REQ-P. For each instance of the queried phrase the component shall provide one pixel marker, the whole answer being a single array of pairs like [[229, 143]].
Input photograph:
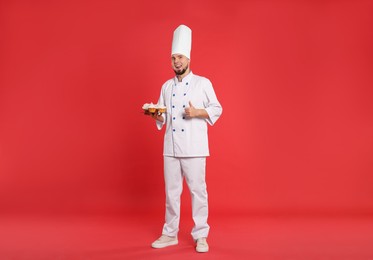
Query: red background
[[294, 78]]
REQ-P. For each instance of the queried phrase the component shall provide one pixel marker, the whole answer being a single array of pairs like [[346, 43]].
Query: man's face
[[180, 63]]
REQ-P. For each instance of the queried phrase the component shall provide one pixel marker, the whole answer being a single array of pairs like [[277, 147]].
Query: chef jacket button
[[173, 94], [173, 106], [182, 130], [173, 129], [187, 83], [174, 118], [183, 117], [183, 105], [184, 94]]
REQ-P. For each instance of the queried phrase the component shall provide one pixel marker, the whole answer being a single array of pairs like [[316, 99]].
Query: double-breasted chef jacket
[[187, 137]]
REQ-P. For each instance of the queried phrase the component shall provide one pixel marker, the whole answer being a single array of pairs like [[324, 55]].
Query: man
[[191, 103]]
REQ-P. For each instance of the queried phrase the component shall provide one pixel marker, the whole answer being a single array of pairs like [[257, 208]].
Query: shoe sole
[[202, 250], [172, 243]]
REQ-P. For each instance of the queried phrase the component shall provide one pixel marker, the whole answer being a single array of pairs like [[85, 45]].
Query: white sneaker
[[164, 241], [202, 246]]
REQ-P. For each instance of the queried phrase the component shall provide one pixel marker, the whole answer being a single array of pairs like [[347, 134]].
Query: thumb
[[190, 104]]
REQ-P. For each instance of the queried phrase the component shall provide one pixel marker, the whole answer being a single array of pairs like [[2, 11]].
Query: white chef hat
[[182, 41]]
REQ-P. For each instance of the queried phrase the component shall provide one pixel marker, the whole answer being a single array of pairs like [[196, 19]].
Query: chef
[[191, 105]]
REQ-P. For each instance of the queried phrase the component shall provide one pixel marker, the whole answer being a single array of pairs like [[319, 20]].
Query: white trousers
[[194, 171]]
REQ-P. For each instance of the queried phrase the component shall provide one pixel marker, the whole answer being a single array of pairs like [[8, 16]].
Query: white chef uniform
[[185, 140], [186, 148]]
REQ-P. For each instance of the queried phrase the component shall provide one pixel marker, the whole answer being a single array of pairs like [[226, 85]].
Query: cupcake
[[161, 109], [152, 108]]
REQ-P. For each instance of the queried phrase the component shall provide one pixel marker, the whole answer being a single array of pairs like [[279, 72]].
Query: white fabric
[[182, 41], [193, 169], [187, 137]]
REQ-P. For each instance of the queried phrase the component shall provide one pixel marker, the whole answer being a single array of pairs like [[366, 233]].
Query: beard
[[181, 72]]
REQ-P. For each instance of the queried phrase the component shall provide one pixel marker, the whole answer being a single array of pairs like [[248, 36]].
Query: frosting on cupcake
[[153, 107], [145, 106], [161, 107]]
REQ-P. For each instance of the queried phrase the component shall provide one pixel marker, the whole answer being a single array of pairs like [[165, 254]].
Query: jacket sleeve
[[161, 101], [212, 105]]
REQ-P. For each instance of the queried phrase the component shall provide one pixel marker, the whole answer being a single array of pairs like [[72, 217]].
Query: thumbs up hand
[[190, 111]]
